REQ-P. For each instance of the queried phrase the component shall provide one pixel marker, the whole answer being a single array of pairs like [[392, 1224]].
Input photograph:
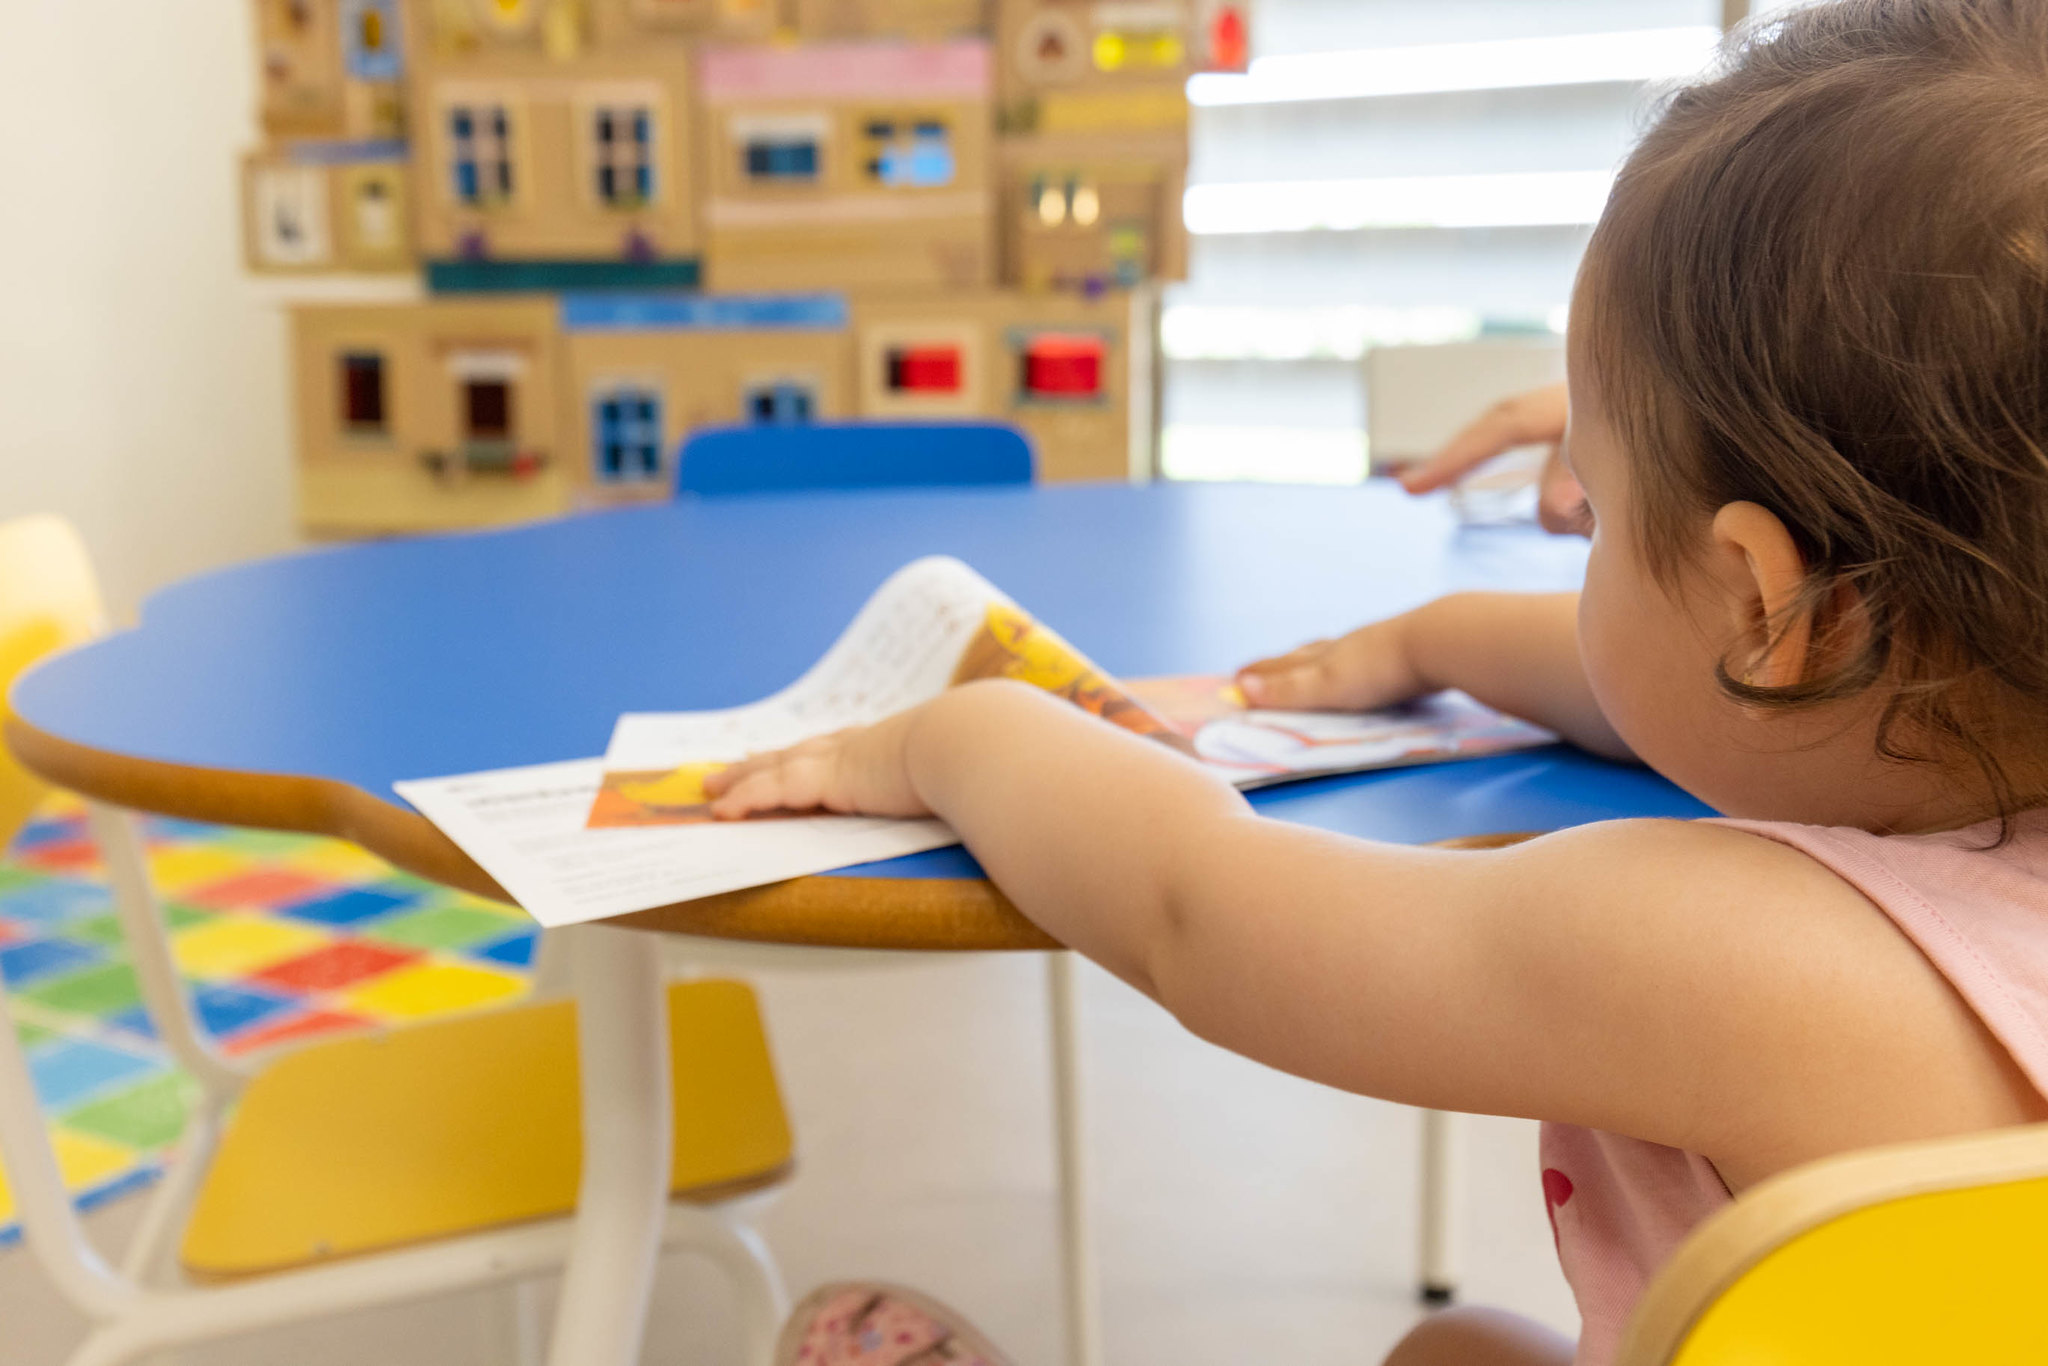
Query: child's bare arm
[[1655, 978], [1518, 652]]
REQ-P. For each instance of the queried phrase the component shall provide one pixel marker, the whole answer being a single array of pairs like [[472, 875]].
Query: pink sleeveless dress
[[1620, 1207]]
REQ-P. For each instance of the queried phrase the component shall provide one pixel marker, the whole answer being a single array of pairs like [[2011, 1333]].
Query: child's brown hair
[[1821, 285]]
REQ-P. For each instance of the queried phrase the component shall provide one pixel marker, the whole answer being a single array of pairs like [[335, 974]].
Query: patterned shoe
[[879, 1325]]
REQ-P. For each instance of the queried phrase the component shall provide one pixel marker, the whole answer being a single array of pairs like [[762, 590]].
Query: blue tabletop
[[403, 659]]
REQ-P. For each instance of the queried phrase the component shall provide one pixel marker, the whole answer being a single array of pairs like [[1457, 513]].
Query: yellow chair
[[427, 1160], [49, 600], [1917, 1255]]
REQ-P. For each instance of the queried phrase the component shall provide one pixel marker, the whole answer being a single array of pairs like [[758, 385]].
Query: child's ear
[[1761, 574]]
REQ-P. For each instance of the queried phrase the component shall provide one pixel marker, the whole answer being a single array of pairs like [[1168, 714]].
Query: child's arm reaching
[[1516, 652], [1654, 978]]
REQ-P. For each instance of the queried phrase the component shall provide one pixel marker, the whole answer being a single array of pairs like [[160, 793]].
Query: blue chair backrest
[[852, 455]]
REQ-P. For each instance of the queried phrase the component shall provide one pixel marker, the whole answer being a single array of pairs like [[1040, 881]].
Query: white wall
[[142, 379]]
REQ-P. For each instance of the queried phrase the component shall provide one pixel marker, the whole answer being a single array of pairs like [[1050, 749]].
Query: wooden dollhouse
[[856, 161], [633, 218]]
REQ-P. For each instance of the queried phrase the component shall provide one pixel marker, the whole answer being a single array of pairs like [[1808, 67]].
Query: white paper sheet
[[900, 650], [525, 827]]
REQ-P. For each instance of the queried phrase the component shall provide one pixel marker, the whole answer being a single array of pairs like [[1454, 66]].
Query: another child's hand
[[1537, 418], [861, 770], [1368, 668]]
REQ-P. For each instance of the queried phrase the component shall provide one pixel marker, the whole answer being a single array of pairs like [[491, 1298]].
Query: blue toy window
[[782, 158], [623, 142], [782, 403], [480, 153], [919, 153], [626, 434]]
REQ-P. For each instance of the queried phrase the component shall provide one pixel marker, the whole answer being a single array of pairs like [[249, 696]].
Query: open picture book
[[936, 623], [589, 839]]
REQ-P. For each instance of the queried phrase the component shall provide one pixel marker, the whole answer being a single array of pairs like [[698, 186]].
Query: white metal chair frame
[[145, 1306]]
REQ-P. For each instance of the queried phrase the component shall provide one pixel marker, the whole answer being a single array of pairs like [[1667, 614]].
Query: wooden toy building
[[633, 218]]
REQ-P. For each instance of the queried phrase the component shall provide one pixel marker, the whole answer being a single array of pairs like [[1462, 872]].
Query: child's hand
[[861, 770], [1368, 668], [1535, 418]]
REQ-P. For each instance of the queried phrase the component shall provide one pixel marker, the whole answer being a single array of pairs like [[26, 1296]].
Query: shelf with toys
[[630, 218]]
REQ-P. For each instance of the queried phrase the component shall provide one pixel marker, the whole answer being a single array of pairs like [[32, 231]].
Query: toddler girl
[[1809, 414]]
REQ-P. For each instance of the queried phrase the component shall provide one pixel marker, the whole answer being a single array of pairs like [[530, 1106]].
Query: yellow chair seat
[[460, 1125], [1916, 1254], [1948, 1276]]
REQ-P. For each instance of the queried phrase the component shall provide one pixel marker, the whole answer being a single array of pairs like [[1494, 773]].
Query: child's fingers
[[725, 779], [733, 774], [1278, 664], [1523, 420], [759, 789], [797, 779], [1298, 678], [1287, 663], [804, 776], [1304, 687]]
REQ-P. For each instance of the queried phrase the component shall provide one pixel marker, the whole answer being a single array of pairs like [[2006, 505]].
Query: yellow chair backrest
[[49, 600], [1922, 1253]]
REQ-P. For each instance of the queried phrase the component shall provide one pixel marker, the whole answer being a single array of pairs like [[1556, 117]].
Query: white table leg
[[1439, 1280], [1077, 1244], [623, 1046]]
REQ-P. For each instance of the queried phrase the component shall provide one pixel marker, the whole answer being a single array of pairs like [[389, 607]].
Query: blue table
[[292, 693], [295, 691]]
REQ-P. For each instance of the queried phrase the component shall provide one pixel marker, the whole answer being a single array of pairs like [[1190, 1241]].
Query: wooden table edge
[[936, 914], [940, 915]]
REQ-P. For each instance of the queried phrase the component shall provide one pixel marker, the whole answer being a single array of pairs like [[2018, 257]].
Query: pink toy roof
[[958, 69]]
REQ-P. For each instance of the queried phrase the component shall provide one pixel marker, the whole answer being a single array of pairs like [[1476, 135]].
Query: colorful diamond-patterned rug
[[282, 937]]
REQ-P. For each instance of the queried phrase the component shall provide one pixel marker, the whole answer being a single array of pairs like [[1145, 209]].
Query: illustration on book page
[[933, 624], [1256, 747]]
